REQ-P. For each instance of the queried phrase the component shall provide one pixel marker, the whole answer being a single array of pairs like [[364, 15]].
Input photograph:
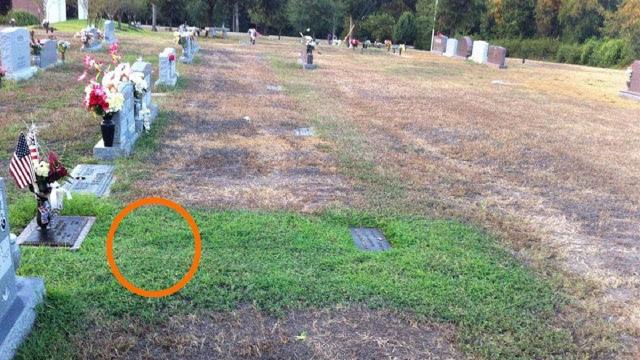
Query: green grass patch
[[279, 261]]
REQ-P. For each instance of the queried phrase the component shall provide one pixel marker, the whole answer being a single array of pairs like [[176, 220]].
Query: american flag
[[20, 167]]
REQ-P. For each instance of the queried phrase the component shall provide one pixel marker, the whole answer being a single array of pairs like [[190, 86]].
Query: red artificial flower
[[98, 99], [57, 171], [172, 58]]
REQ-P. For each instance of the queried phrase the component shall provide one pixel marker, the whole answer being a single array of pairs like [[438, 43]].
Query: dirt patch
[[352, 333]]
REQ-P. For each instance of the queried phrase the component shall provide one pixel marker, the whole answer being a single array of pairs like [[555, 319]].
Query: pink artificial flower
[[113, 49]]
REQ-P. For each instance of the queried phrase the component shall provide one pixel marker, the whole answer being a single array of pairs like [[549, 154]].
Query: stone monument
[[187, 50], [440, 44], [465, 47], [497, 57], [15, 54], [168, 75], [147, 103], [95, 43], [55, 10], [633, 86], [480, 52], [110, 32], [125, 133], [49, 55], [83, 9], [18, 296], [452, 47]]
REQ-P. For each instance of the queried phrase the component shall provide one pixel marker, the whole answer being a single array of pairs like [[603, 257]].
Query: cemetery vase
[[36, 60], [108, 129]]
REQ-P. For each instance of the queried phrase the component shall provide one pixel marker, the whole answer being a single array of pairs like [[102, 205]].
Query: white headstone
[[452, 47], [83, 9], [49, 55], [167, 74], [480, 53], [187, 49], [110, 32], [56, 11], [18, 296], [15, 53]]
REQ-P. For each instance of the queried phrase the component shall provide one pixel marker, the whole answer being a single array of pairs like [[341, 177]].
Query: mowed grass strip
[[438, 270]]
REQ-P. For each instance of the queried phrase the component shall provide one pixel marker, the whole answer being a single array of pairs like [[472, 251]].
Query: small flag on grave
[[20, 166]]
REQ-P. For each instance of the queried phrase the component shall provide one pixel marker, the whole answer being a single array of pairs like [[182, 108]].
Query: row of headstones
[[465, 48]]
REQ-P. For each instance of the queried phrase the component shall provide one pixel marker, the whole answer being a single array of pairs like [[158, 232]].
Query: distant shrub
[[569, 53], [22, 18], [587, 51], [609, 53], [539, 49], [423, 32], [405, 28]]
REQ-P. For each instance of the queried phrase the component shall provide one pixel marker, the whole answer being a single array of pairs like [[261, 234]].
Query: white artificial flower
[[139, 82], [42, 169], [115, 100]]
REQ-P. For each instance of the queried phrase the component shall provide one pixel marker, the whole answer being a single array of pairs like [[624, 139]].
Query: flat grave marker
[[304, 132], [91, 179], [274, 88], [369, 239], [63, 232]]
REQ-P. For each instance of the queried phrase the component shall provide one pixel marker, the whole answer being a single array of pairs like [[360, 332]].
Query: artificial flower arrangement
[[62, 47], [172, 58], [140, 87], [629, 74], [86, 35], [36, 45], [181, 38]]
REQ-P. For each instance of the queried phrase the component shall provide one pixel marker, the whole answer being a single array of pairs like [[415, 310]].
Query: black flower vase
[[108, 130]]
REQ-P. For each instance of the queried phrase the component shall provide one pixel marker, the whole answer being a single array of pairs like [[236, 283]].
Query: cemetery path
[[231, 144], [555, 173]]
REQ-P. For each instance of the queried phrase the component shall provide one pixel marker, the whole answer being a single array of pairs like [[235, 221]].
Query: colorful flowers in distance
[[89, 34], [63, 46], [115, 56]]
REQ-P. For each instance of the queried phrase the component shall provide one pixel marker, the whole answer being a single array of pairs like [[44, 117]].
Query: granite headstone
[[440, 44], [633, 89], [452, 47], [497, 57], [465, 47], [187, 50], [167, 68], [125, 133], [15, 54], [49, 54], [147, 102], [110, 32], [95, 43], [480, 52], [18, 296]]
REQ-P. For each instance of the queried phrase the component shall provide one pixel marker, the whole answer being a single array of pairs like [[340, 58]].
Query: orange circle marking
[[196, 257]]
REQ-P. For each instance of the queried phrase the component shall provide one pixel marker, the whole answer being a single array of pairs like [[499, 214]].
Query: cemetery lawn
[[510, 198], [279, 263]]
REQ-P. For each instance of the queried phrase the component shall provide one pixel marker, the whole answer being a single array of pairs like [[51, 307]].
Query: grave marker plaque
[[91, 179], [440, 44], [15, 54], [63, 231], [633, 88], [452, 47], [465, 47], [304, 132], [497, 57], [18, 296], [369, 239]]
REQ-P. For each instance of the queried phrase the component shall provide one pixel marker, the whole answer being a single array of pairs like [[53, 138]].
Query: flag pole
[[433, 30]]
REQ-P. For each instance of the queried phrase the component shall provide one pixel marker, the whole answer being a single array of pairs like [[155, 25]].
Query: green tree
[[517, 18], [461, 16], [321, 16], [379, 26], [625, 23], [270, 13], [547, 17], [405, 29], [424, 26], [580, 19]]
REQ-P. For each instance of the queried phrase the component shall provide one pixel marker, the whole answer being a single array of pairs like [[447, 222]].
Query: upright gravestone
[[55, 10], [440, 44], [497, 57], [452, 47], [15, 54], [465, 47], [110, 32], [147, 103], [633, 88], [125, 133], [83, 11], [18, 296], [187, 51], [168, 75], [480, 53], [49, 55]]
